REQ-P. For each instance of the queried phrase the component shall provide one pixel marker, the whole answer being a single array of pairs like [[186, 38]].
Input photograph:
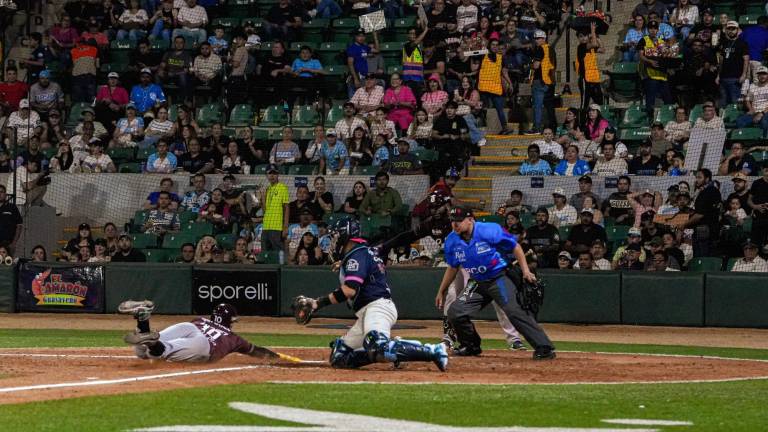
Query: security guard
[[655, 78], [586, 67], [479, 248]]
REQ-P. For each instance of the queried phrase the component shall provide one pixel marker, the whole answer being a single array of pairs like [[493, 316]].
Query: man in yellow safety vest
[[655, 78], [543, 83]]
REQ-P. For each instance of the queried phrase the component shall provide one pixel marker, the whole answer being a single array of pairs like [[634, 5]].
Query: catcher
[[363, 283], [475, 247], [198, 341]]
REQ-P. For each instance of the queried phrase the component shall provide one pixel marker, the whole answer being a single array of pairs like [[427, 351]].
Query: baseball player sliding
[[363, 283], [475, 247], [201, 340]]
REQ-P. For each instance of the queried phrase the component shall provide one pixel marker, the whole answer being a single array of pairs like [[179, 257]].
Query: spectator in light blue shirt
[[634, 35], [381, 153], [219, 45], [305, 66], [535, 166], [333, 155], [146, 95], [572, 165], [666, 31]]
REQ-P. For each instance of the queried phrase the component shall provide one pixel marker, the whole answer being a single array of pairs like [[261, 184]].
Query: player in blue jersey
[[363, 283], [480, 248]]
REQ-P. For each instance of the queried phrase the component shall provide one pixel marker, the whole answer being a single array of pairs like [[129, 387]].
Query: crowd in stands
[[98, 105]]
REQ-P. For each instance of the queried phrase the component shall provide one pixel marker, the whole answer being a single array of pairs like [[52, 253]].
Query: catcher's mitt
[[530, 296], [302, 309]]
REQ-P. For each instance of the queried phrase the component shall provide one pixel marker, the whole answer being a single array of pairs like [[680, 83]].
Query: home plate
[[648, 422]]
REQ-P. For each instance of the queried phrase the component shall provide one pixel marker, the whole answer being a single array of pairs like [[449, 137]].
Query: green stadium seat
[[187, 216], [617, 233], [296, 46], [210, 114], [198, 229], [306, 116], [746, 135], [347, 24], [405, 23], [731, 263], [317, 24], [366, 170], [635, 135], [705, 264], [143, 154], [624, 68], [260, 169], [274, 116], [665, 114], [175, 240], [527, 219], [331, 218], [301, 170], [748, 20], [260, 134], [130, 167], [229, 23], [609, 114], [125, 154], [159, 255], [635, 116], [226, 241], [274, 134], [335, 114], [337, 71], [492, 218], [426, 155], [240, 7], [75, 114], [565, 232], [268, 257], [173, 112], [242, 115], [394, 69], [372, 225], [696, 112], [257, 22], [729, 114], [138, 220], [159, 45], [330, 53], [144, 241]]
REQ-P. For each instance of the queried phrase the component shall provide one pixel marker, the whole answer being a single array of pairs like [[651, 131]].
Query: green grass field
[[728, 406]]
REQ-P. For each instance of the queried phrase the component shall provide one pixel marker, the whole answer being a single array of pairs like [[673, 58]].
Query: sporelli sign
[[251, 292]]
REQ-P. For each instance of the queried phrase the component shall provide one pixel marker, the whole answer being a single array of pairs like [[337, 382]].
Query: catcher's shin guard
[[344, 357], [399, 350]]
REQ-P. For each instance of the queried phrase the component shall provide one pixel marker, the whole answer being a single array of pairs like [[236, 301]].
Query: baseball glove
[[302, 309], [530, 296]]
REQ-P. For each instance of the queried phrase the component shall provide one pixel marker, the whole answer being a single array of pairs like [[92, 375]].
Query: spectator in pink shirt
[[94, 33], [434, 100], [596, 124], [111, 99], [400, 102], [64, 37]]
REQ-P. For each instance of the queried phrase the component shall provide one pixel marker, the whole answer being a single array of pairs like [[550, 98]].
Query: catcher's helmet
[[437, 198], [224, 314], [341, 232]]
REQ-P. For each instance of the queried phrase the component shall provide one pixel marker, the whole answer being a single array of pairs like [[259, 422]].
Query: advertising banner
[[250, 291], [43, 288]]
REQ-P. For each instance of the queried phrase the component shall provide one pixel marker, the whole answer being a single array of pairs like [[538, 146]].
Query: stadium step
[[474, 182]]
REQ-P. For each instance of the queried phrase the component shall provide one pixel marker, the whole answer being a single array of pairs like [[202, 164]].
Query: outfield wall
[[681, 299]]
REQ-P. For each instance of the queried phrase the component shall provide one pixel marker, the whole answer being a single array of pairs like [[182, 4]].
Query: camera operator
[[31, 184], [11, 223]]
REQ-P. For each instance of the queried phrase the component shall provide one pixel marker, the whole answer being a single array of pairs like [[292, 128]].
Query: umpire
[[478, 247]]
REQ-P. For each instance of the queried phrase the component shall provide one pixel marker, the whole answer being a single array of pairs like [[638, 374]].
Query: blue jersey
[[364, 271], [483, 256]]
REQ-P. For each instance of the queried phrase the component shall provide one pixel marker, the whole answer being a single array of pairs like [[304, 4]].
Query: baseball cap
[[595, 107], [610, 129], [649, 215], [653, 24], [539, 34], [564, 254], [146, 71], [45, 73], [54, 113], [124, 234], [585, 178], [272, 168], [648, 192], [731, 24], [87, 110], [656, 241], [749, 244], [739, 176], [130, 106], [305, 211], [370, 76], [229, 177], [657, 124], [634, 232], [83, 226], [634, 247], [358, 31], [558, 191], [113, 75], [24, 103], [762, 69], [587, 210], [330, 132], [403, 141], [459, 213], [452, 172], [708, 11]]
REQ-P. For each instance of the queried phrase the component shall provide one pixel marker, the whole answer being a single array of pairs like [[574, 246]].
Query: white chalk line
[[647, 422]]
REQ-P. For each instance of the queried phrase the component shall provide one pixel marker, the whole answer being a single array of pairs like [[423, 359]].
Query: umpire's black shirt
[[10, 219]]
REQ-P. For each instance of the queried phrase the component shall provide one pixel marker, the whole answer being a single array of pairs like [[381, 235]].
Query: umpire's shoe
[[544, 354], [141, 310], [467, 351], [136, 338]]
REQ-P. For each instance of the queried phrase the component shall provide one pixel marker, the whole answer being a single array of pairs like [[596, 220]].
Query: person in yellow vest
[[655, 78], [543, 84], [413, 61], [492, 81], [587, 69]]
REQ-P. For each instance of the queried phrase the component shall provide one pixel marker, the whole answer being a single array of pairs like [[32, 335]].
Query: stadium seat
[[635, 116], [174, 241], [367, 170], [729, 114], [119, 155], [371, 225], [705, 264], [268, 257], [130, 167], [565, 232], [617, 233], [492, 218], [665, 114], [210, 114], [331, 218], [314, 30], [301, 169], [240, 8], [198, 229], [242, 115], [634, 136], [173, 112], [229, 23], [330, 52], [274, 116], [260, 169], [296, 46], [186, 217], [226, 241], [75, 114], [624, 68], [624, 80], [159, 45], [50, 152], [695, 113], [746, 135], [394, 69], [159, 255], [335, 114], [144, 241], [426, 155], [749, 20], [731, 263], [527, 219], [305, 116], [143, 154], [138, 220]]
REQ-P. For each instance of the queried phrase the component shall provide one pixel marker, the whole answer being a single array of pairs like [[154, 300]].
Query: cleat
[[441, 356], [467, 351], [517, 346], [544, 354], [136, 338], [141, 310]]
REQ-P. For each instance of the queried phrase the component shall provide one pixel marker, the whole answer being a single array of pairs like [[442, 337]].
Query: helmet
[[341, 232], [452, 172], [224, 314], [437, 199]]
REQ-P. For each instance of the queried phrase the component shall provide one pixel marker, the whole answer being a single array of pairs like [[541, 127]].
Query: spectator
[[758, 202], [617, 206], [644, 203], [544, 239], [88, 115], [756, 103], [161, 161], [97, 161], [275, 70], [349, 123], [421, 129], [572, 165], [751, 262], [38, 252], [565, 132], [166, 185], [683, 17], [45, 95], [633, 40], [666, 32], [333, 155], [111, 98], [197, 198], [133, 22], [585, 190], [655, 77], [185, 117], [163, 218], [85, 64], [129, 130], [585, 233], [381, 152], [5, 163], [678, 131], [162, 21], [143, 58], [648, 6], [596, 124], [740, 191], [110, 237], [195, 161], [217, 211], [320, 196], [738, 161], [31, 185], [125, 251], [33, 153], [192, 18], [405, 162], [62, 162], [301, 202], [646, 163], [549, 149], [206, 69], [413, 60], [232, 162], [218, 41], [734, 211], [704, 221], [283, 21], [83, 255], [359, 149], [158, 128], [588, 149], [562, 213], [564, 261], [240, 254], [660, 262], [352, 203], [276, 211], [535, 166], [187, 255], [400, 102], [64, 36], [515, 203], [26, 122], [381, 126], [175, 65], [369, 97], [84, 237], [629, 259], [302, 226], [382, 200], [205, 250], [598, 261], [450, 134], [285, 151], [734, 69], [307, 72], [756, 38], [11, 222], [700, 62], [327, 9], [468, 99], [12, 91], [40, 55], [609, 164], [492, 79], [146, 95], [670, 246], [513, 225]]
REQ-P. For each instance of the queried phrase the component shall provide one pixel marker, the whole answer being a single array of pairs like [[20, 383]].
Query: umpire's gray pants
[[183, 342], [503, 291]]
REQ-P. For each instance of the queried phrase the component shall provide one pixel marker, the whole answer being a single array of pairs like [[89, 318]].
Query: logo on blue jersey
[[352, 265], [482, 247], [460, 256]]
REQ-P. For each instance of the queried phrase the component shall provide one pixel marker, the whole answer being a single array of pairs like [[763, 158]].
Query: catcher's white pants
[[510, 332], [183, 342], [379, 315]]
